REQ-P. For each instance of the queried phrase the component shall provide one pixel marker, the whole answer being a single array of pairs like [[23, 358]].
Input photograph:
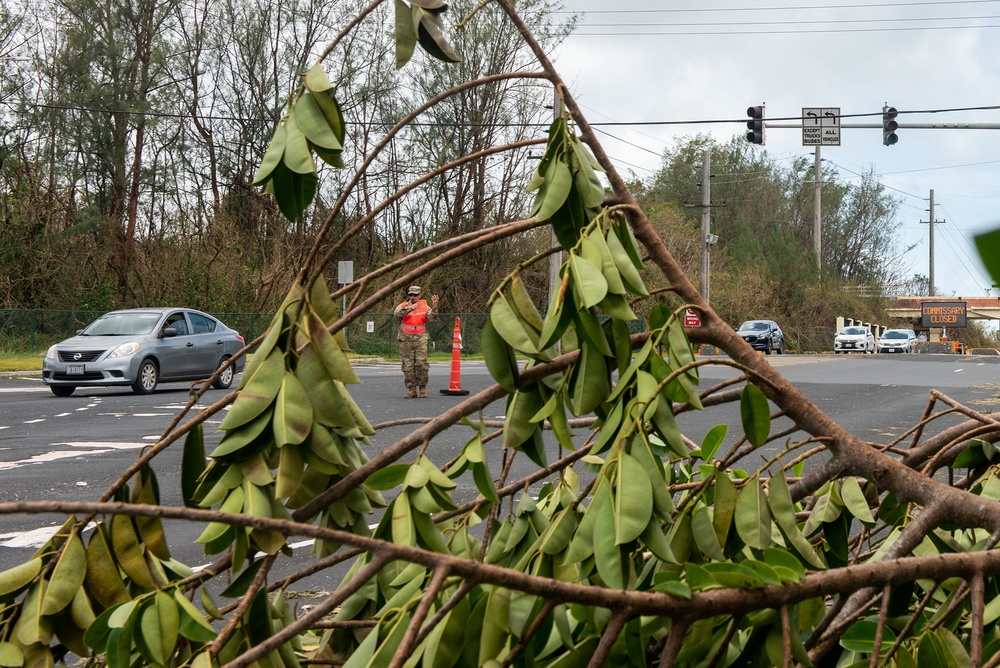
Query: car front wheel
[[62, 390], [147, 378], [225, 378]]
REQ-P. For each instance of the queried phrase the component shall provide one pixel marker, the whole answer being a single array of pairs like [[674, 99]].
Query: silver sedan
[[142, 347]]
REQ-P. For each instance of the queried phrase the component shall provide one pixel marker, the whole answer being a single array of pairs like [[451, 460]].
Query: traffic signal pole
[[818, 215]]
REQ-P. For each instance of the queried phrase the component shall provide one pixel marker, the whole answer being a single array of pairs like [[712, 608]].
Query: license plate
[[74, 370]]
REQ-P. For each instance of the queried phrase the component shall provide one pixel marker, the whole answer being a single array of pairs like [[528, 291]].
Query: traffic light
[[889, 125], [756, 125]]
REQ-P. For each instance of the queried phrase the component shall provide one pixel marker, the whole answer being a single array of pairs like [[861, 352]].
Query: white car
[[897, 341], [854, 339]]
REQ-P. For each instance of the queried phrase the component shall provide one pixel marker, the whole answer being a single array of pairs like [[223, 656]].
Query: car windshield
[[122, 324], [894, 335], [856, 331], [753, 327]]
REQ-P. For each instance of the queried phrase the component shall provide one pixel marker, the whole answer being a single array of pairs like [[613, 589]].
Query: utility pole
[[930, 263], [707, 238], [706, 219], [818, 215]]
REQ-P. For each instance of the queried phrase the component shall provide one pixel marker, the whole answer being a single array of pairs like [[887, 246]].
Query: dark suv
[[763, 335]]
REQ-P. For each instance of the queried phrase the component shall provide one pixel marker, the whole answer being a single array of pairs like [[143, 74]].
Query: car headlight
[[124, 350], [50, 354]]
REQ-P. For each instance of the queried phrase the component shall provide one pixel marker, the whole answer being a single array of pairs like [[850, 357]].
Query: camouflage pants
[[415, 365]]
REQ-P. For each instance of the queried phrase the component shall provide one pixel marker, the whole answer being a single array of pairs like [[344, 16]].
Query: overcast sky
[[690, 60]]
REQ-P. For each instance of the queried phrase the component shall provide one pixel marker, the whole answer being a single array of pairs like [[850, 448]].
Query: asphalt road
[[73, 448]]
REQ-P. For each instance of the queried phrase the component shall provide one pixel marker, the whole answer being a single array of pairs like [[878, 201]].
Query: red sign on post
[[691, 318]]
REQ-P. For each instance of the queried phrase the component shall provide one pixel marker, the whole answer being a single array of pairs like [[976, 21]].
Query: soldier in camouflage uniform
[[414, 315]]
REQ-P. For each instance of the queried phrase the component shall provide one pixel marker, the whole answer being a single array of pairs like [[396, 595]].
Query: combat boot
[[411, 394], [423, 392]]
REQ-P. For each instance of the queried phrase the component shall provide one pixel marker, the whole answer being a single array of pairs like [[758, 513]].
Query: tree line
[[132, 134]]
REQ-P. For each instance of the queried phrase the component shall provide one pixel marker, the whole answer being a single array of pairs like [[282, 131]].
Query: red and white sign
[[691, 318]]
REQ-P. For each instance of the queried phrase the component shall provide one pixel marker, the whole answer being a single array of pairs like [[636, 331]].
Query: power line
[[703, 121], [729, 10], [792, 23], [702, 33]]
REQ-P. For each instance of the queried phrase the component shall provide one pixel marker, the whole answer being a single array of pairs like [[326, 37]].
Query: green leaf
[[293, 413], [588, 325], [589, 382], [626, 267], [855, 501], [241, 583], [510, 327], [607, 554], [860, 637], [704, 534], [258, 391], [406, 34], [297, 156], [329, 351], [159, 624], [589, 286], [523, 305], [755, 414], [734, 575], [713, 439], [402, 521], [192, 624], [430, 34], [130, 552], [313, 123], [499, 357], [633, 499], [14, 579], [988, 245], [67, 577], [103, 581], [558, 181], [753, 519], [387, 477], [192, 465], [272, 157], [724, 506], [780, 501], [11, 656]]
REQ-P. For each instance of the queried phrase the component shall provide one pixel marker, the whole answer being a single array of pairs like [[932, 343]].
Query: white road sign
[[821, 126]]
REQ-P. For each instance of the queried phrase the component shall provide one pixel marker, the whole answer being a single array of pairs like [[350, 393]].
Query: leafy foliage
[[640, 547]]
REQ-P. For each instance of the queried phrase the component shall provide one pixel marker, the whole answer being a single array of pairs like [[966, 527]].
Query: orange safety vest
[[415, 322]]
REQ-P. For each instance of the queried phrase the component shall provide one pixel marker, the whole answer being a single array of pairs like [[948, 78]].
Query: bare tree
[[673, 553]]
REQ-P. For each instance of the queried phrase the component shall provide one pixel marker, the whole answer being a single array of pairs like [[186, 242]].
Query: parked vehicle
[[142, 347], [897, 341], [763, 335], [854, 339]]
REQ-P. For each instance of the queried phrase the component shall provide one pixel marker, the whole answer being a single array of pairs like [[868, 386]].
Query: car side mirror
[[168, 332]]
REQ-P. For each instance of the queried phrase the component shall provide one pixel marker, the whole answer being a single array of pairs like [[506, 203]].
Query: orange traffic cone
[[455, 386]]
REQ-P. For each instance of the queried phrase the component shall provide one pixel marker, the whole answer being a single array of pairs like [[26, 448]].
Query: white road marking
[[151, 414], [63, 414], [111, 445], [33, 537], [49, 457], [93, 448], [33, 421], [11, 390]]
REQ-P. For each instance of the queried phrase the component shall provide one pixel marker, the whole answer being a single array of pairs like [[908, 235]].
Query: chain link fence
[[30, 331]]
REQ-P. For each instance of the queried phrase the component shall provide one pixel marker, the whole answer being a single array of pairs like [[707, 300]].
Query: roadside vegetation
[[780, 538]]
